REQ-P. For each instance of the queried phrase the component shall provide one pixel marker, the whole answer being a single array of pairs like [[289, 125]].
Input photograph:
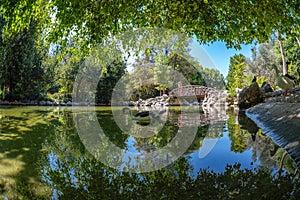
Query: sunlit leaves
[[234, 22], [236, 77]]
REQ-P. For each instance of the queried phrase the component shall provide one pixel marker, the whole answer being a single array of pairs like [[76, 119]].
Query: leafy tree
[[155, 65], [210, 20], [2, 23], [292, 52], [213, 78], [236, 76], [108, 80], [262, 62], [190, 68], [67, 72], [21, 73]]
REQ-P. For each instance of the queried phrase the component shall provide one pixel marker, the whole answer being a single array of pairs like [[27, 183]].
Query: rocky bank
[[281, 122]]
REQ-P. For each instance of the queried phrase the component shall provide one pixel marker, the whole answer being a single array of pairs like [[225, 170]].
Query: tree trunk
[[284, 65], [298, 41]]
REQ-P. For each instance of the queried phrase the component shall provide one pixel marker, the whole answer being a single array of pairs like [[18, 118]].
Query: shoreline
[[281, 122]]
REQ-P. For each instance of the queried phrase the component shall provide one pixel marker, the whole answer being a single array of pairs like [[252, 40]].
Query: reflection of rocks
[[215, 130], [281, 122], [246, 123], [208, 117], [263, 150], [250, 96]]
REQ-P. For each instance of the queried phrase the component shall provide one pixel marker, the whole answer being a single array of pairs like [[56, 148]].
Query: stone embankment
[[279, 118], [281, 122], [213, 98]]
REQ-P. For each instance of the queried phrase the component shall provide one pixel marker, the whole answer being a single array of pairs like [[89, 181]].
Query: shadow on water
[[22, 134], [42, 156]]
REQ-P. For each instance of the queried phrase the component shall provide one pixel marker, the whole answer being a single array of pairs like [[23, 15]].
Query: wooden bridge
[[188, 120], [191, 91]]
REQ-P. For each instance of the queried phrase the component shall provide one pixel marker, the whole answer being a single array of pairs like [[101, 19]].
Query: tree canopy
[[234, 22], [75, 26]]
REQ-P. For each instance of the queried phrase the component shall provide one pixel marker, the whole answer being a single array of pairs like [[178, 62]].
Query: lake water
[[60, 152]]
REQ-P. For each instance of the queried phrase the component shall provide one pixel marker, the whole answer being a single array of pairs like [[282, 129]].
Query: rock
[[297, 98], [266, 87], [42, 103], [238, 92], [195, 103], [281, 122], [290, 99], [215, 97], [157, 101], [250, 96], [131, 103], [32, 102]]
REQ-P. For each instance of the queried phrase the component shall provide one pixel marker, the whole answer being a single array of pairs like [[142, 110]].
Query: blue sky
[[216, 55]]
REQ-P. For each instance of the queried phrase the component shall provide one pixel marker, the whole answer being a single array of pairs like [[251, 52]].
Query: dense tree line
[[30, 71]]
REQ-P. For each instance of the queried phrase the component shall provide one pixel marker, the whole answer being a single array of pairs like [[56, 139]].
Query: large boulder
[[250, 96], [266, 87]]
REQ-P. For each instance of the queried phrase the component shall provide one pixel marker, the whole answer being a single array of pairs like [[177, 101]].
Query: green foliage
[[213, 78], [21, 73], [189, 68], [89, 23], [236, 75], [212, 20], [146, 92], [155, 66], [260, 80], [171, 182], [237, 136], [262, 62], [108, 80], [66, 74], [2, 23], [292, 52]]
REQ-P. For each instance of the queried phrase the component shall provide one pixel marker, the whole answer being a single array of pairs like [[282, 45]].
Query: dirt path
[[281, 122]]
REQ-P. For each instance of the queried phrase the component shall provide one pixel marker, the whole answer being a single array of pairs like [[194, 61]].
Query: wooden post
[[180, 88]]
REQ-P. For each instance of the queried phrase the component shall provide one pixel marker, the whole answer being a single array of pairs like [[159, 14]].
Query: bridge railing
[[190, 90]]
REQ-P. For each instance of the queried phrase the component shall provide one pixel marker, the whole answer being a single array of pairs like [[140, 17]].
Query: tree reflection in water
[[82, 177], [71, 172]]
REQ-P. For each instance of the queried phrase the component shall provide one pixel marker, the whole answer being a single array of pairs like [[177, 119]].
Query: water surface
[[42, 155]]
